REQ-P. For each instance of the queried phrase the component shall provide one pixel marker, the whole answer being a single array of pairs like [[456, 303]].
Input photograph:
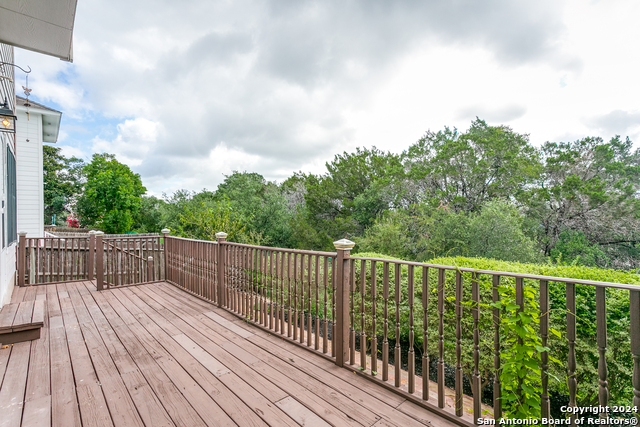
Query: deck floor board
[[155, 355]]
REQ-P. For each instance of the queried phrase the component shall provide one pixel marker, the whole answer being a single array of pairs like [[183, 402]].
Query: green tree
[[149, 217], [496, 232], [466, 169], [111, 198], [591, 187], [62, 182]]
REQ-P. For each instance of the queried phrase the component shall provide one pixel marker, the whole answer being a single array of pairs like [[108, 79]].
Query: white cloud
[[274, 87]]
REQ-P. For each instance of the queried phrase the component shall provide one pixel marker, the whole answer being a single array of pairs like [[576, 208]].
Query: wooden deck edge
[[20, 336], [413, 399], [27, 285]]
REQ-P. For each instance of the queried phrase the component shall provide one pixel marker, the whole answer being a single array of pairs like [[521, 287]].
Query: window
[[12, 218]]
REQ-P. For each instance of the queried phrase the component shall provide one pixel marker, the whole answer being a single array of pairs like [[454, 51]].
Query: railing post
[[220, 238], [165, 240], [92, 254], [99, 261], [341, 327], [22, 256], [150, 277]]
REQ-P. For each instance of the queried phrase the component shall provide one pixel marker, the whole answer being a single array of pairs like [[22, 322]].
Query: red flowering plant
[[73, 221]]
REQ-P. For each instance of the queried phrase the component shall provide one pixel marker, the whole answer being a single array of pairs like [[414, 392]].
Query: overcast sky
[[185, 92]]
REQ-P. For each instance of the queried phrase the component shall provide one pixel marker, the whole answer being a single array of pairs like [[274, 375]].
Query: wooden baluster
[[65, 260], [271, 295], [295, 297], [289, 295], [544, 356], [425, 333], [260, 287], [397, 362], [317, 330], [276, 306], [325, 325], [520, 304], [385, 328], [253, 262], [475, 295], [411, 356], [571, 338], [497, 401], [363, 334], [458, 402], [634, 333], [352, 312], [309, 324], [601, 328], [282, 282], [334, 264], [374, 337], [441, 280], [302, 305]]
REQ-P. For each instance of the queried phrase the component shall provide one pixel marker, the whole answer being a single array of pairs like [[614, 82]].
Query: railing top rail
[[192, 240], [286, 250], [135, 236], [626, 286]]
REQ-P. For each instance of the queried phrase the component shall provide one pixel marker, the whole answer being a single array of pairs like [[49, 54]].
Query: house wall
[[29, 173], [8, 251]]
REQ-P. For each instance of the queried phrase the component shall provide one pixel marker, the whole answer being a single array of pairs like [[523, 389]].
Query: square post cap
[[92, 231], [165, 230], [221, 235], [22, 233], [99, 233], [344, 244]]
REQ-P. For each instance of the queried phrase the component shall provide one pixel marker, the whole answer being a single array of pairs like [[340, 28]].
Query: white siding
[[7, 254], [29, 174]]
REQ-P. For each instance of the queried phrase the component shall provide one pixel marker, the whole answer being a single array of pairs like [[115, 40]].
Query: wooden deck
[[155, 355]]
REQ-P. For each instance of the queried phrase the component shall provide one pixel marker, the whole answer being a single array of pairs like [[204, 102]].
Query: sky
[[188, 92]]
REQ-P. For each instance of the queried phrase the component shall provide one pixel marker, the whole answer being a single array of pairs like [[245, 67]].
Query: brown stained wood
[[385, 329], [228, 325], [283, 369], [544, 356], [39, 376], [425, 333], [93, 407], [411, 356], [64, 406], [363, 333], [397, 354], [440, 378], [7, 315], [176, 405], [147, 405], [23, 315], [374, 339], [571, 338], [475, 295], [37, 412], [171, 377], [601, 328], [309, 391], [634, 333], [497, 401], [13, 385], [229, 402], [298, 412]]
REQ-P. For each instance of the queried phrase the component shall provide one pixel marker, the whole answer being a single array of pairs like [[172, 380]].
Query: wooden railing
[[384, 318], [391, 320], [51, 259], [112, 260], [128, 260]]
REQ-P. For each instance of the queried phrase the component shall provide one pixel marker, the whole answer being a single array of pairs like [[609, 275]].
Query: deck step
[[21, 322]]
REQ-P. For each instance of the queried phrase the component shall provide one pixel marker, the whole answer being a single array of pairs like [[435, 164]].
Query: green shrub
[[525, 370]]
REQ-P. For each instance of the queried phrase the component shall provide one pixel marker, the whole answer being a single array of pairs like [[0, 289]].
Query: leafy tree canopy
[[111, 197], [62, 182]]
